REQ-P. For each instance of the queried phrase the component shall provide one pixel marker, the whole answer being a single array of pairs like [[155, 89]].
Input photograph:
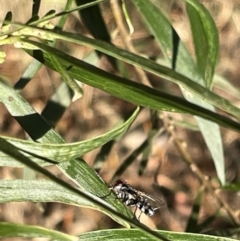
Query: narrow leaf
[[64, 152], [18, 107], [205, 36], [128, 90], [152, 67], [135, 235], [30, 231], [206, 56], [92, 187]]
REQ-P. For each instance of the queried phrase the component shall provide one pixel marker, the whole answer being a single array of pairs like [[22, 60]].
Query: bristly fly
[[134, 198]]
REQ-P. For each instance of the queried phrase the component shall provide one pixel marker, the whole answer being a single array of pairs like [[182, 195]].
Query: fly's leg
[[137, 218], [140, 216], [105, 196], [135, 211]]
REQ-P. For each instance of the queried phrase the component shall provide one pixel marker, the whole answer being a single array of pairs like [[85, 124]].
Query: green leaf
[[206, 50], [73, 168], [226, 232], [92, 187], [135, 235], [162, 30], [213, 139], [206, 43], [64, 152], [232, 187], [224, 85], [40, 191], [76, 170], [86, 177], [128, 90], [205, 36], [152, 67], [18, 107], [30, 231], [65, 76], [48, 191]]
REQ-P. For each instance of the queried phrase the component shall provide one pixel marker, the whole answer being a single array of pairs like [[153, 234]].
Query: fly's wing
[[131, 190], [154, 202]]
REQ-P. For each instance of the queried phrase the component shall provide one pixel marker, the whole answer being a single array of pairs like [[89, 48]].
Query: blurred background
[[166, 176]]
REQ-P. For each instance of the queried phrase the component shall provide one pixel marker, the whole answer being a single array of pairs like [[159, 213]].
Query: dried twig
[[205, 181]]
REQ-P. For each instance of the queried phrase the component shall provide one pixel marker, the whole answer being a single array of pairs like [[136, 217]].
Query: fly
[[134, 198]]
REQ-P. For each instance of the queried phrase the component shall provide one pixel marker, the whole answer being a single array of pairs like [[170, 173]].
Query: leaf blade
[[64, 152], [128, 90], [206, 39], [204, 33], [30, 231]]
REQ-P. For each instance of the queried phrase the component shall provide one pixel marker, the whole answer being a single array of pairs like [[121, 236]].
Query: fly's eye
[[119, 183]]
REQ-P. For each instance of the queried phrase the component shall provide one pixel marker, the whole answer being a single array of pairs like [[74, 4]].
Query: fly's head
[[119, 186]]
